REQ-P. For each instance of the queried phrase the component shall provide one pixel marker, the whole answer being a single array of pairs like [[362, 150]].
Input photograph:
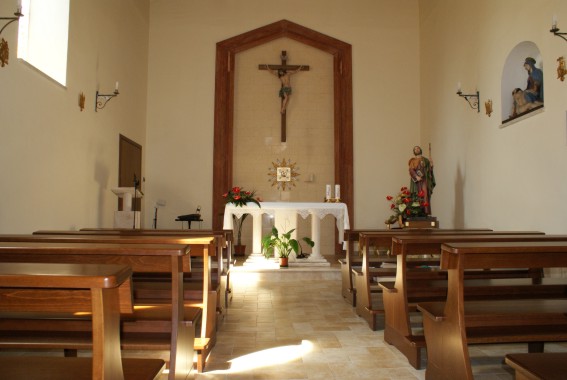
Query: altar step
[[258, 260], [257, 268]]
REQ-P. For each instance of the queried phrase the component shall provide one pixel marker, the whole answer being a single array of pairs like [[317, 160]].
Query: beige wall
[[487, 176], [385, 40], [58, 164]]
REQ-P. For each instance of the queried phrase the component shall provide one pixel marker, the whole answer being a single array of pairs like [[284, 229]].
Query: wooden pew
[[538, 366], [452, 325], [369, 303], [401, 297], [155, 288], [50, 289], [206, 295], [156, 326], [224, 260], [353, 260], [414, 285]]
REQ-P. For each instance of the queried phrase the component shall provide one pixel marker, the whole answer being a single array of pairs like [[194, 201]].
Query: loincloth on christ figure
[[284, 91]]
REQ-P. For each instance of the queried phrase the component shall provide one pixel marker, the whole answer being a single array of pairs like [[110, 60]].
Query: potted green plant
[[240, 197], [284, 243]]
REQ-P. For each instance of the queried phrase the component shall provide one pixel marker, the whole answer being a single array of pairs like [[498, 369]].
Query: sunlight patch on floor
[[267, 358]]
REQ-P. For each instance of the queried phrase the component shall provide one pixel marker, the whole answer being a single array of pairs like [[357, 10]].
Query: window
[[43, 36]]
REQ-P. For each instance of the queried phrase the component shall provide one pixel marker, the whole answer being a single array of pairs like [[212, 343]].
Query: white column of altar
[[257, 233], [316, 237]]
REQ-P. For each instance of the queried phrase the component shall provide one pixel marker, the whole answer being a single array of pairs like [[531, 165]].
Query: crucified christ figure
[[285, 89], [284, 71]]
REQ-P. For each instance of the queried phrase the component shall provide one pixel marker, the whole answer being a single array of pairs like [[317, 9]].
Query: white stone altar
[[285, 214], [126, 218]]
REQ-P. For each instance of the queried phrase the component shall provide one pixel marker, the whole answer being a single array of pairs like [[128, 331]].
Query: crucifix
[[284, 72]]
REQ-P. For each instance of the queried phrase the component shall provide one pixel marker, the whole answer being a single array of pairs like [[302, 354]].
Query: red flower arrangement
[[407, 205], [240, 197]]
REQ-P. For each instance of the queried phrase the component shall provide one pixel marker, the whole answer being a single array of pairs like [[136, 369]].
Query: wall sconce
[[555, 29], [561, 69], [472, 99], [4, 49], [17, 14], [104, 98]]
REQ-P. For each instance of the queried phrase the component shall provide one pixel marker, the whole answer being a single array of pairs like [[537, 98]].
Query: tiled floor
[[289, 325]]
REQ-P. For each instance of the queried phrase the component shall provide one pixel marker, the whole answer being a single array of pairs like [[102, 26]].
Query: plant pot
[[284, 262], [240, 250]]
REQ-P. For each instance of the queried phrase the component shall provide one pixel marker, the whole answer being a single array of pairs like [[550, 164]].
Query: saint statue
[[422, 178]]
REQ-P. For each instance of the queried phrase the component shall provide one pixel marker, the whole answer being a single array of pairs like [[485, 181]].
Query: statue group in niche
[[532, 96]]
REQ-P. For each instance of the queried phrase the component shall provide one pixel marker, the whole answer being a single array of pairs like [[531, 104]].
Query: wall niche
[[522, 83]]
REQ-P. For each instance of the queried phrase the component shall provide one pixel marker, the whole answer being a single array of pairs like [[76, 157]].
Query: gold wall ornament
[[283, 174], [4, 52], [488, 107], [82, 101], [561, 69]]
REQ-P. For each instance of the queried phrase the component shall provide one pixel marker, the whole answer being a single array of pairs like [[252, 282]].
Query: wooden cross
[[286, 69]]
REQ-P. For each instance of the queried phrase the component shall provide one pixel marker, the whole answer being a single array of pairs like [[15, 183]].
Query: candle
[[337, 191], [328, 192], [458, 87], [554, 22], [116, 87]]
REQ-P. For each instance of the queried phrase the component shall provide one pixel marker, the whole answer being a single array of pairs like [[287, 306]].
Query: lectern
[[126, 218]]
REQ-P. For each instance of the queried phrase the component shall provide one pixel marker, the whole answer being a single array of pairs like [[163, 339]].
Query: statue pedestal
[[126, 218], [424, 222]]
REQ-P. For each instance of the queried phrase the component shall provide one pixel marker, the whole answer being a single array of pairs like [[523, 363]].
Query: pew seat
[[148, 323], [93, 295], [451, 325], [538, 366], [61, 368]]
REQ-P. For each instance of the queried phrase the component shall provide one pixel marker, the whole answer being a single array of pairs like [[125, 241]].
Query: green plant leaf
[[294, 245], [309, 241]]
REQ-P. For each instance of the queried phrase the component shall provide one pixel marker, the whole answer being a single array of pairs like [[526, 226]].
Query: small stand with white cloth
[[126, 218]]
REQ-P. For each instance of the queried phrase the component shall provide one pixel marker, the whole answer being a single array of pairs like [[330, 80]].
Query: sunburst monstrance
[[283, 174]]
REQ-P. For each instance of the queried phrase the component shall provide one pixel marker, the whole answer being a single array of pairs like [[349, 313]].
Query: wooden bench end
[[201, 343]]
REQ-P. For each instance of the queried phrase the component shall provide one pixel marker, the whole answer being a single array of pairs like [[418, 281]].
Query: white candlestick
[[459, 87], [328, 192], [554, 22], [337, 191], [116, 87]]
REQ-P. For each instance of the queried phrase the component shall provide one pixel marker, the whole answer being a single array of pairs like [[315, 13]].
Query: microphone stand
[[136, 182], [155, 219]]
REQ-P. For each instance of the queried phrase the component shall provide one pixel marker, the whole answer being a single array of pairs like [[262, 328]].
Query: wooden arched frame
[[224, 105]]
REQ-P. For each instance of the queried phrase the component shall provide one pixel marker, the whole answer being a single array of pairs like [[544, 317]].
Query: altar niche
[[284, 71], [226, 52]]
